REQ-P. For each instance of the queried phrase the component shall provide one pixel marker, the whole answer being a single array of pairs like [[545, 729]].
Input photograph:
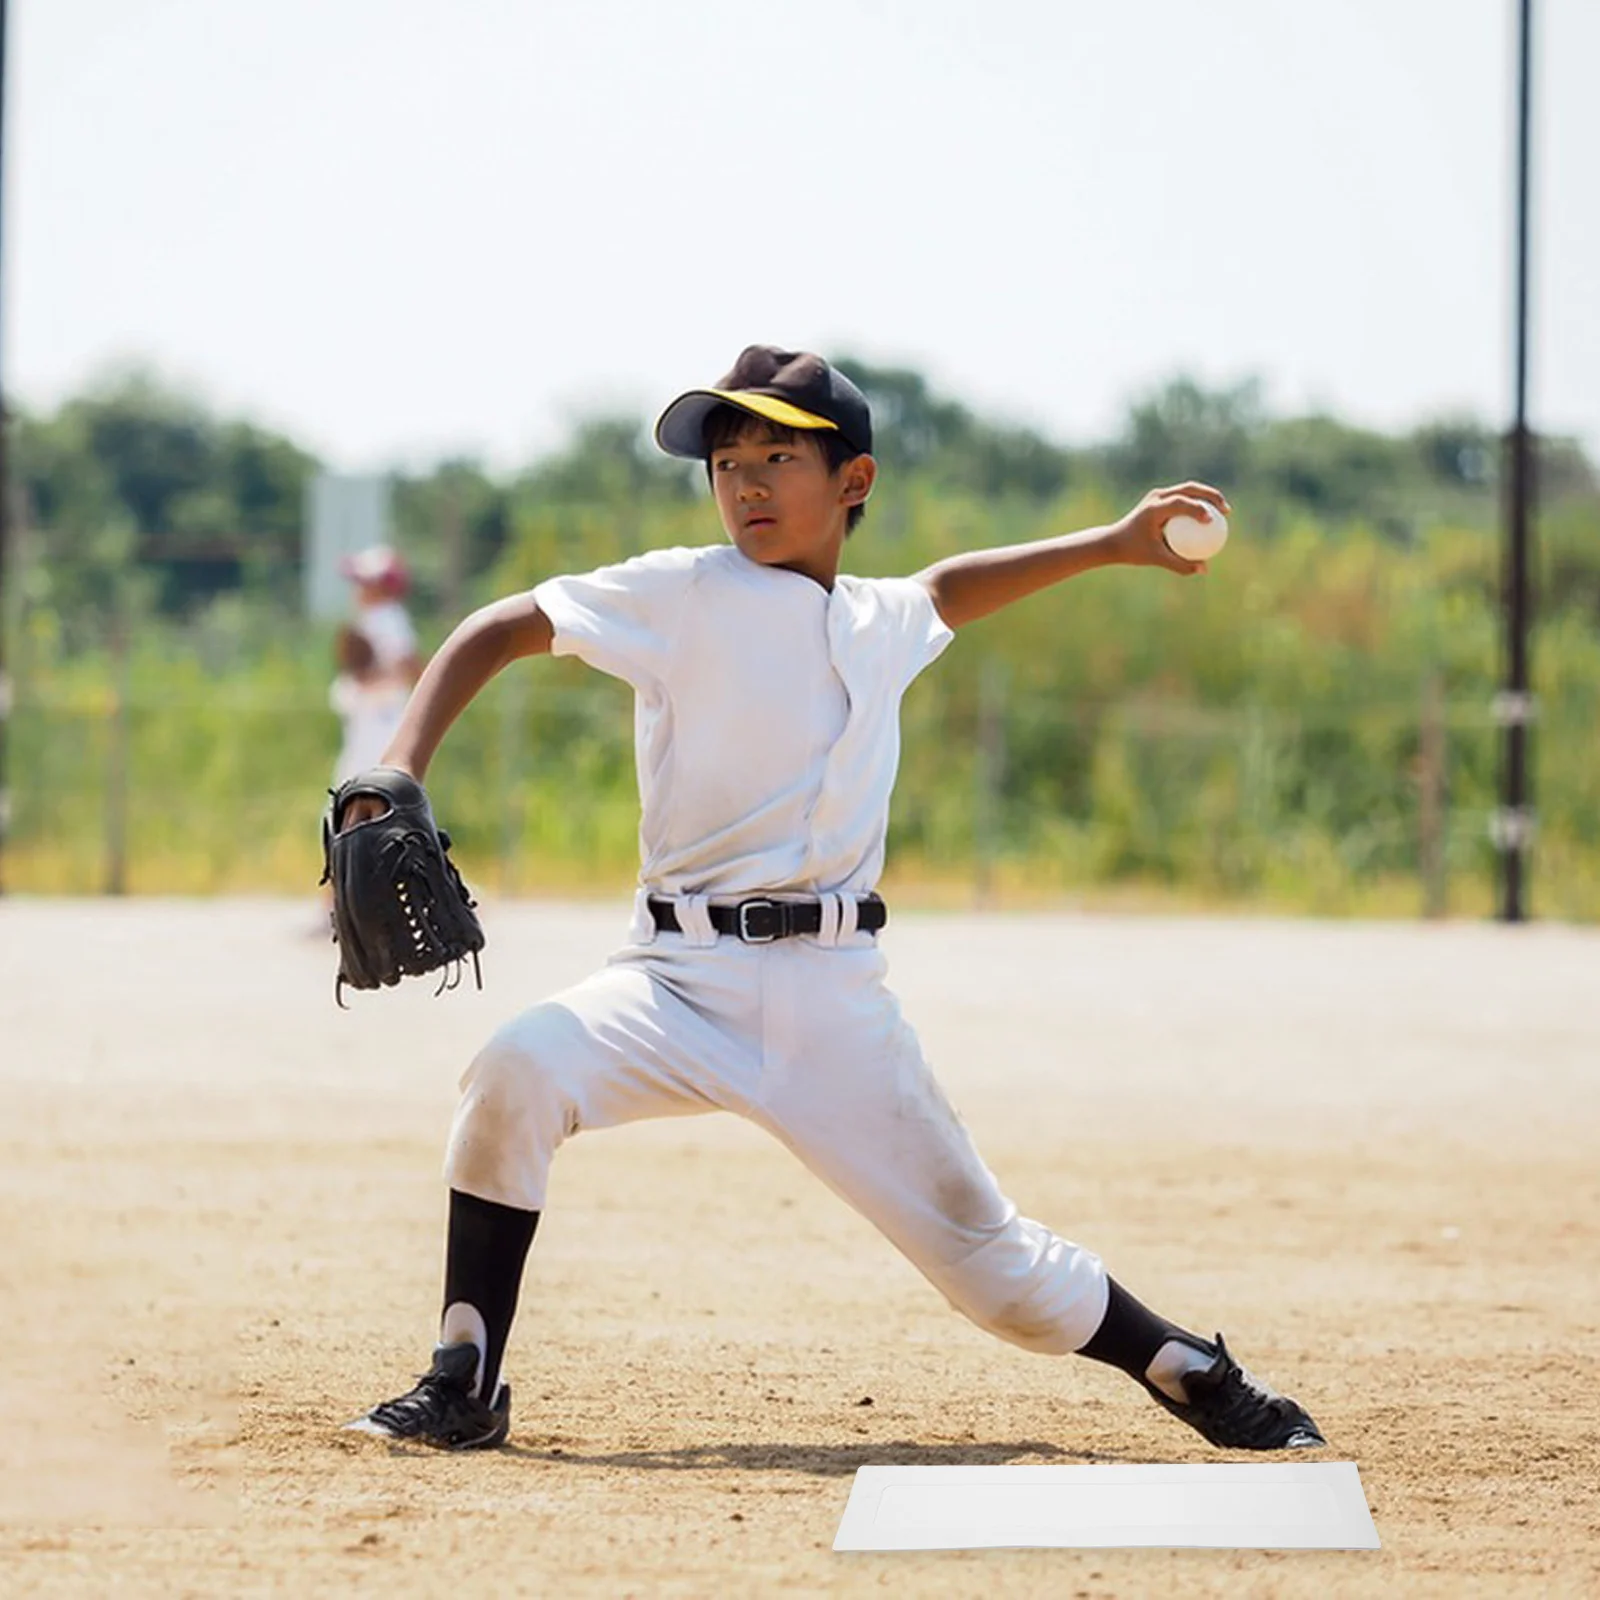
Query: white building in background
[[343, 514]]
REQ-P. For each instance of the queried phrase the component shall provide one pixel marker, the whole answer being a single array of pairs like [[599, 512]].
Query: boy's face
[[780, 504]]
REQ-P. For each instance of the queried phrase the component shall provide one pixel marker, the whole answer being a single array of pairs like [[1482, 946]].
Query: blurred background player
[[367, 700], [376, 662], [381, 581]]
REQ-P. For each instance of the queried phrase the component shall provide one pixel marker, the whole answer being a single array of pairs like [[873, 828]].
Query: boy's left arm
[[979, 582]]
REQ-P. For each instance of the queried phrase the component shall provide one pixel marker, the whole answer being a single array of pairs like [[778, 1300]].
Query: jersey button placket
[[838, 621]]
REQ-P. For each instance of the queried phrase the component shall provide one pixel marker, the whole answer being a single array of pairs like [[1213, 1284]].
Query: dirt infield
[[1371, 1154]]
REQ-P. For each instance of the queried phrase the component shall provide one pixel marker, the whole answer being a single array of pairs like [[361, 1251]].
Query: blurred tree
[[916, 430], [1185, 431], [204, 507], [80, 537], [1564, 471], [136, 470], [453, 524], [65, 487], [1569, 559], [1328, 467], [611, 461], [1459, 451], [157, 444], [260, 478], [910, 423], [1568, 530]]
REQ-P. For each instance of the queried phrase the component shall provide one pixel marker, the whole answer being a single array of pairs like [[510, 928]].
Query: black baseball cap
[[792, 388]]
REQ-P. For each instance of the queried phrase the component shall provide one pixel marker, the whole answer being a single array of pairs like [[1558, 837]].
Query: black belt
[[760, 920]]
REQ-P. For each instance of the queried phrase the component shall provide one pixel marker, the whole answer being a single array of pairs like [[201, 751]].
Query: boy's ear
[[858, 477]]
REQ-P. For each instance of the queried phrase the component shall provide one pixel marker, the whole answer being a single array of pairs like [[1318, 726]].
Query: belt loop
[[849, 905], [642, 930], [694, 917], [832, 907]]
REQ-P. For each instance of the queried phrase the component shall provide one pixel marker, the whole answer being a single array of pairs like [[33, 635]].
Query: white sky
[[397, 229]]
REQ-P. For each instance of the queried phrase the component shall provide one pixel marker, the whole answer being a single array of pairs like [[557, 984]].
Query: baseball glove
[[400, 908]]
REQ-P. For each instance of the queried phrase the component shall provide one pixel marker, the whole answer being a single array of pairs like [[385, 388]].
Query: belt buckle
[[748, 933]]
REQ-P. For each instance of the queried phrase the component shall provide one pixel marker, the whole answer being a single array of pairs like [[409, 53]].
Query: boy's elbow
[[954, 596], [940, 592], [517, 627], [532, 632]]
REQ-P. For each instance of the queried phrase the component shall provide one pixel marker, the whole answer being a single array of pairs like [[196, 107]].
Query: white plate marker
[[1278, 1506]]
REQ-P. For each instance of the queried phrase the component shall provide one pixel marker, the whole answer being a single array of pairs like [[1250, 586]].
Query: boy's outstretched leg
[[1196, 1379], [460, 1403], [885, 1138]]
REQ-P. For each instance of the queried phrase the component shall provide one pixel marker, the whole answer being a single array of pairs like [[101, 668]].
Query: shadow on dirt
[[822, 1460]]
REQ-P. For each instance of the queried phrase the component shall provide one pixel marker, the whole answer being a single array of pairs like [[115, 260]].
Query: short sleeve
[[903, 624], [388, 630], [343, 695], [621, 619]]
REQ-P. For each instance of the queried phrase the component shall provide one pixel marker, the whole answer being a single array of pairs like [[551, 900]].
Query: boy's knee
[[1032, 1289], [514, 1113], [1040, 1329], [1026, 1315]]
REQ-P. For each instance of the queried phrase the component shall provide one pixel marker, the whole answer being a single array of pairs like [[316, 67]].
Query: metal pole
[[1514, 706], [5, 488]]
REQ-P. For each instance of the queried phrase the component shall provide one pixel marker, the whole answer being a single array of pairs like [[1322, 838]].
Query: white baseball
[[1195, 539]]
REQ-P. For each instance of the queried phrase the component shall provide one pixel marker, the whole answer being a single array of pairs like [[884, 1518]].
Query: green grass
[[1252, 741]]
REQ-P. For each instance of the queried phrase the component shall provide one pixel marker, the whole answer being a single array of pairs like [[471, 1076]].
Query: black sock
[[486, 1249], [1130, 1334]]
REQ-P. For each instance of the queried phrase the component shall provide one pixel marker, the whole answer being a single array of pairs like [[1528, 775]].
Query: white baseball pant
[[803, 1038]]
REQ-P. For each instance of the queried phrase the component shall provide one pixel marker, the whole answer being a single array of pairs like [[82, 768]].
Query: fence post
[[1430, 798], [990, 775], [116, 864], [513, 692], [453, 529]]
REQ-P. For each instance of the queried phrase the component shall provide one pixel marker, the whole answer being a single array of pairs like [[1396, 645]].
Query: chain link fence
[[1004, 798]]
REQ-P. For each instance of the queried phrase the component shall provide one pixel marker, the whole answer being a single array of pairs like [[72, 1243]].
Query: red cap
[[380, 567]]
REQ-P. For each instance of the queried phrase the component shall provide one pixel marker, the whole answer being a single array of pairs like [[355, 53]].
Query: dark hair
[[728, 423], [353, 651]]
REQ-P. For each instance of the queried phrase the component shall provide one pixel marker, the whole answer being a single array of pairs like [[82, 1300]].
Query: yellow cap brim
[[679, 430]]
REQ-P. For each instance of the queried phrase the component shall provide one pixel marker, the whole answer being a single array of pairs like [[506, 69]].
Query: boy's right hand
[[369, 807], [364, 808], [1140, 538]]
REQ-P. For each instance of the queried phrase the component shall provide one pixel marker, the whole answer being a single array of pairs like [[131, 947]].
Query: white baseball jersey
[[370, 713], [767, 738], [767, 712], [388, 630]]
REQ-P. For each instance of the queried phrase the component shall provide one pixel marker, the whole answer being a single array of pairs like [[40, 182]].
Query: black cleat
[[1235, 1410], [442, 1410]]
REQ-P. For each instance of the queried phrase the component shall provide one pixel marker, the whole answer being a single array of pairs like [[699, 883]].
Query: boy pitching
[[767, 690]]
